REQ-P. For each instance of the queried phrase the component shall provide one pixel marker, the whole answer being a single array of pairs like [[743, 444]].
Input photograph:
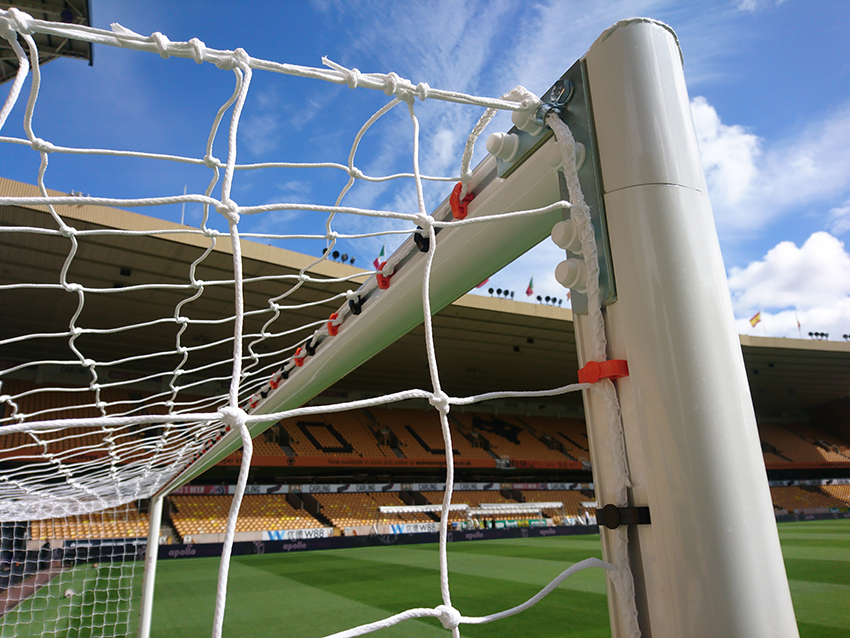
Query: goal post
[[151, 558], [692, 547], [465, 256], [709, 564]]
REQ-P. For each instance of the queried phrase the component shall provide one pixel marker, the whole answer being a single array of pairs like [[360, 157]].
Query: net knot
[[423, 220], [422, 91], [449, 616], [89, 363], [391, 83], [18, 21], [465, 178], [234, 417], [199, 49], [42, 146], [73, 288], [211, 162], [161, 43], [352, 78], [230, 210], [238, 59], [440, 400], [355, 172]]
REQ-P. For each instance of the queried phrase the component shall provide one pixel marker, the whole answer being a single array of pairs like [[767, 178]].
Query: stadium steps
[[549, 441], [166, 530], [475, 439], [772, 449], [314, 508], [569, 440], [383, 436]]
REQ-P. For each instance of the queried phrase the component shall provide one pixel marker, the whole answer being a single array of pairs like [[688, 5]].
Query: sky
[[769, 84]]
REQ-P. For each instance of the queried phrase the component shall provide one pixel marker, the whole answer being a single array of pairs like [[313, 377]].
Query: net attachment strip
[[123, 450]]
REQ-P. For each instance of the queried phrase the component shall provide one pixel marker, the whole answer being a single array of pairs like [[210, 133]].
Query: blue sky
[[769, 83]]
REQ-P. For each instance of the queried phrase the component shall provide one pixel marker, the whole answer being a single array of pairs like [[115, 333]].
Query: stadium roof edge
[[794, 344], [127, 220]]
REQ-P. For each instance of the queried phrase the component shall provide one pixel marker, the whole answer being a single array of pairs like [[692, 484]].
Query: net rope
[[114, 449]]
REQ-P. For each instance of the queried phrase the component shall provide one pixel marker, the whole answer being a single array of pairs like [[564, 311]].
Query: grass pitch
[[318, 593]]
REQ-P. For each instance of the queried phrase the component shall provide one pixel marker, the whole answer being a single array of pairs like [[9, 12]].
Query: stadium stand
[[838, 492], [419, 434], [802, 498], [352, 510], [339, 434], [271, 512], [121, 522], [200, 514], [572, 500], [259, 512], [473, 499], [529, 438], [790, 445], [831, 446], [508, 437], [571, 433]]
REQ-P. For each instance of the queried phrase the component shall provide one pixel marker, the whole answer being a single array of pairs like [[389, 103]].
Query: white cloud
[[752, 6], [839, 219], [259, 133], [810, 282], [729, 154], [753, 183]]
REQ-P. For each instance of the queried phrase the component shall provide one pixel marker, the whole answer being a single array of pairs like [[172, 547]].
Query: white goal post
[[673, 436]]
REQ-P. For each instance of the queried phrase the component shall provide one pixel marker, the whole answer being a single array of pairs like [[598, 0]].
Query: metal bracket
[[570, 98], [612, 516]]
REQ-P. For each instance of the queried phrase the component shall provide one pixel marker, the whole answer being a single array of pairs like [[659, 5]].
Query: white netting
[[75, 449], [84, 585]]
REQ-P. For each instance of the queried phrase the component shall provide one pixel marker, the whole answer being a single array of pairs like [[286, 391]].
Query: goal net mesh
[[81, 458]]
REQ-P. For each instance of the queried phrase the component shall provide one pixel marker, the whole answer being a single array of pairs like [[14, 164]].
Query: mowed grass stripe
[[322, 592], [496, 560], [817, 561], [263, 603], [821, 604], [317, 593]]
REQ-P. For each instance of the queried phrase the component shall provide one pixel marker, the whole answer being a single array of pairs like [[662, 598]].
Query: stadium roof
[[482, 343], [49, 47]]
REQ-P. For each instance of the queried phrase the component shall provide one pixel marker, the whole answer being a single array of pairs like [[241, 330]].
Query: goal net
[[149, 365], [82, 450]]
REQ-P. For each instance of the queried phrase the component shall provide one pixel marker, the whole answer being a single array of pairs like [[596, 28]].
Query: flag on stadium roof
[[530, 290], [379, 258], [755, 319]]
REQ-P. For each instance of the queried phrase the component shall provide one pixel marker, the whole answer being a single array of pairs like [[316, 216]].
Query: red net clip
[[333, 329], [595, 370], [274, 382], [459, 205], [383, 282], [298, 358]]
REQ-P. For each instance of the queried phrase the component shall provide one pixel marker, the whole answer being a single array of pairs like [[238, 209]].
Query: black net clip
[[612, 516], [355, 305], [422, 240]]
